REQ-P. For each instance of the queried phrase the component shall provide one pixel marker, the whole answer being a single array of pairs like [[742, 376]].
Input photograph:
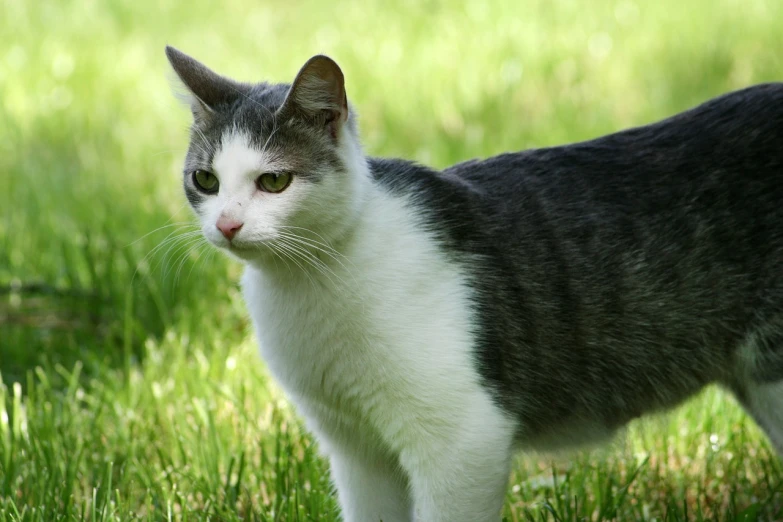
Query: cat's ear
[[318, 94], [205, 89]]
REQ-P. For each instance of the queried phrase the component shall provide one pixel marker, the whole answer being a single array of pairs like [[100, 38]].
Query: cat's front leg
[[370, 487], [460, 475]]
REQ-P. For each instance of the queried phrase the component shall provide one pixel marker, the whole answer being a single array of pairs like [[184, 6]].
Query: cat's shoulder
[[404, 176]]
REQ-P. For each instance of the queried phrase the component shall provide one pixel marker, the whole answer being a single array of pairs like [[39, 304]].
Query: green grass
[[131, 388]]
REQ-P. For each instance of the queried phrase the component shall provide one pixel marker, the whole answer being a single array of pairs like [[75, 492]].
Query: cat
[[428, 324]]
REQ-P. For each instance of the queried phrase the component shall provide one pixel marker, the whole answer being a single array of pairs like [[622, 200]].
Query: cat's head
[[271, 165]]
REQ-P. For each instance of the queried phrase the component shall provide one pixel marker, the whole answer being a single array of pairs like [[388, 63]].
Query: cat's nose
[[228, 227]]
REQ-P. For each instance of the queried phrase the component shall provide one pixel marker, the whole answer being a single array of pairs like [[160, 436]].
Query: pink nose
[[228, 227]]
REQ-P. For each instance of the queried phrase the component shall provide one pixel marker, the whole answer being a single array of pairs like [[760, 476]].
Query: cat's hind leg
[[764, 402], [760, 385]]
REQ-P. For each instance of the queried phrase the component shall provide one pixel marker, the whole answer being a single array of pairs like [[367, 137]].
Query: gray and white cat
[[426, 324]]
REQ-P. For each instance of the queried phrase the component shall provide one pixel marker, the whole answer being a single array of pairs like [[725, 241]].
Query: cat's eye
[[273, 181], [205, 181]]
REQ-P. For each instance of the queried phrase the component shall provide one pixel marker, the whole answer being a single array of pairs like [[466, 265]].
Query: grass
[[131, 388]]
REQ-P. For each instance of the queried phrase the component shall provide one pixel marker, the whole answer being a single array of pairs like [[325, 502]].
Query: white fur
[[374, 345], [237, 165]]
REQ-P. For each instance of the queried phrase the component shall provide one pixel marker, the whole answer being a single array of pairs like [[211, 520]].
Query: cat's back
[[711, 175], [739, 130], [701, 191], [732, 144]]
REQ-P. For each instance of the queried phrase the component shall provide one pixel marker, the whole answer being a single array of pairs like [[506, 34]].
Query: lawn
[[130, 385]]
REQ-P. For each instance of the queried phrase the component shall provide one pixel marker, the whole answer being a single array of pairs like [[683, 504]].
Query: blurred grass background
[[131, 385]]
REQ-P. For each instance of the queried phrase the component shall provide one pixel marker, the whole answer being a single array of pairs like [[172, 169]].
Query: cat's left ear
[[318, 94]]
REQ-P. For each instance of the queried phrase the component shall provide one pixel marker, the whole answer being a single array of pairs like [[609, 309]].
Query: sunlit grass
[[131, 386], [197, 433]]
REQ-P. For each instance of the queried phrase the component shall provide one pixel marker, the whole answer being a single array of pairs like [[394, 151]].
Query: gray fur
[[621, 275]]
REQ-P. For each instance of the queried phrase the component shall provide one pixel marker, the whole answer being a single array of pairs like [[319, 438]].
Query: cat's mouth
[[240, 246], [241, 251], [244, 250]]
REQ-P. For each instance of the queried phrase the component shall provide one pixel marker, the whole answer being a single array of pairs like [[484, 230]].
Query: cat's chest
[[372, 348], [324, 346]]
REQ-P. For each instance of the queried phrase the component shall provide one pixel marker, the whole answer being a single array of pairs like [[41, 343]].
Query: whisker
[[324, 241], [182, 250], [323, 267], [169, 240], [248, 98], [172, 238], [309, 243], [184, 224], [200, 255], [271, 134], [277, 256], [329, 251], [286, 251], [171, 244], [193, 246], [210, 148], [325, 244], [201, 149], [166, 151], [312, 260]]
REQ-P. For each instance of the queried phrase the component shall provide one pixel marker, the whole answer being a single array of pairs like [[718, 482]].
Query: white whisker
[[182, 249], [196, 245], [169, 244], [184, 224], [309, 258], [210, 148], [170, 240], [329, 251], [290, 254]]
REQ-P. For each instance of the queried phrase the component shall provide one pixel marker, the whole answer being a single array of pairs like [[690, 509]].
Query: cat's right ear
[[205, 89]]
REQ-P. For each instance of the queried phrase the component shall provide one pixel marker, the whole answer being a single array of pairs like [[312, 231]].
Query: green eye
[[273, 182], [205, 181]]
